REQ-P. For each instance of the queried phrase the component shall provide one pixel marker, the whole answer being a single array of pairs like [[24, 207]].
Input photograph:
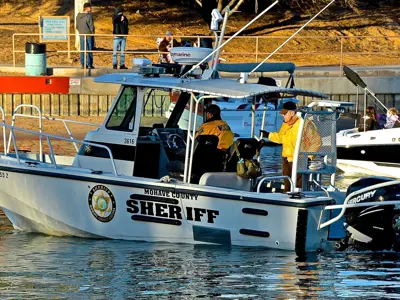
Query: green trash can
[[35, 59]]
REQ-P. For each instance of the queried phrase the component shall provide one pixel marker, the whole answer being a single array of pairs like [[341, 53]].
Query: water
[[34, 266], [42, 267]]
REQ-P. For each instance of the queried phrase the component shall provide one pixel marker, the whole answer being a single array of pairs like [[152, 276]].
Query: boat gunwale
[[177, 189]]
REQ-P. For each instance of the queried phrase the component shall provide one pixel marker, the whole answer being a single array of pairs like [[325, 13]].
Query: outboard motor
[[374, 227]]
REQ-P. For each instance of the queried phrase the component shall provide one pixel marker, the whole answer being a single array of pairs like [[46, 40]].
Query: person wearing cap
[[85, 25], [120, 27], [287, 136], [214, 125], [166, 44]]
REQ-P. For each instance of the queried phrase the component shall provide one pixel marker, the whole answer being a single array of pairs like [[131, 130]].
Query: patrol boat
[[161, 184]]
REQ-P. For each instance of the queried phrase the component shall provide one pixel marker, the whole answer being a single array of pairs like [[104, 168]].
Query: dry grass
[[153, 18]]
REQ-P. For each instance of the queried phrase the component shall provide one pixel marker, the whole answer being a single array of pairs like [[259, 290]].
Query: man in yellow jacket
[[215, 126], [287, 136]]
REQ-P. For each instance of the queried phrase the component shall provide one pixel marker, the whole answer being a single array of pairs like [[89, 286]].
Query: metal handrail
[[3, 120], [273, 178], [64, 121], [40, 125], [48, 136], [346, 205], [341, 40]]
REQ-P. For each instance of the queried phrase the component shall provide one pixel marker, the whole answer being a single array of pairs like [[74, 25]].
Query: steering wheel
[[171, 139]]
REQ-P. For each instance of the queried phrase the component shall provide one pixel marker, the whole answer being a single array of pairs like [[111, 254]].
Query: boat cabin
[[237, 112], [163, 149]]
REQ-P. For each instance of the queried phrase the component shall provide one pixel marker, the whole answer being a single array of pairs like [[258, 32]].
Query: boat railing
[[40, 117], [351, 196], [270, 178], [3, 120], [48, 137]]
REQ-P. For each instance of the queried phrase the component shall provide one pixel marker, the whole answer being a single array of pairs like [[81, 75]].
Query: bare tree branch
[[237, 5], [220, 4], [229, 5]]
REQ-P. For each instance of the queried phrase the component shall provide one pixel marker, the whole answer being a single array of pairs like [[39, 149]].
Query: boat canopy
[[213, 87], [265, 67]]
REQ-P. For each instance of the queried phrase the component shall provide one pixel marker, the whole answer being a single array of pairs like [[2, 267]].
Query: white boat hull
[[372, 152], [54, 202], [352, 167]]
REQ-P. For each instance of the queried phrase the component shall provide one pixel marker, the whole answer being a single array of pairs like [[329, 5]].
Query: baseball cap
[[288, 106], [169, 33]]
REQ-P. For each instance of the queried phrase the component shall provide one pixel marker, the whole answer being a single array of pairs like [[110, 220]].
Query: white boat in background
[[238, 112], [370, 152]]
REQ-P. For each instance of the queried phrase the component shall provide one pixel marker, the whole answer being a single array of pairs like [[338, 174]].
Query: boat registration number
[[129, 141], [3, 175]]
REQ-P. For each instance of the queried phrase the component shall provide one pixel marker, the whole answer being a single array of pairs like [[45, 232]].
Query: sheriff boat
[[161, 184], [112, 187]]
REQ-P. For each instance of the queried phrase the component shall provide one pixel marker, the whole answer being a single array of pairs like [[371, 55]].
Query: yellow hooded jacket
[[220, 129], [287, 136]]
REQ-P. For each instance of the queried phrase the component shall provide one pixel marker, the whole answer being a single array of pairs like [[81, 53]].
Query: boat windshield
[[123, 115]]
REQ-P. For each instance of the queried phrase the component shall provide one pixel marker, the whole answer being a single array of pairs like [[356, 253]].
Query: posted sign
[[54, 29]]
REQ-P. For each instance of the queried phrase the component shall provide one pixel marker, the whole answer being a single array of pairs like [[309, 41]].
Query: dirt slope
[[330, 32]]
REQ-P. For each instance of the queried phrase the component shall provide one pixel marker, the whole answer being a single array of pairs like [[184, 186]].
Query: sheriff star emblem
[[102, 203]]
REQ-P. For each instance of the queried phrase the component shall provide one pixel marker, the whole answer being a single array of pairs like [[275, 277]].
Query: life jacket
[[220, 129]]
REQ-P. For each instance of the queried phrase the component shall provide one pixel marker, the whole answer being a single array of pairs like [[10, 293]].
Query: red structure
[[34, 85]]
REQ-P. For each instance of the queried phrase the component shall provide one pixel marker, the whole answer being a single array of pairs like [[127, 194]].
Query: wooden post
[[94, 105], [46, 104], [74, 105], [69, 38], [84, 105]]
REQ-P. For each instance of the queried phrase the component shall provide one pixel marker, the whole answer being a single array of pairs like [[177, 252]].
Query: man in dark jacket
[[85, 25], [120, 27], [166, 44]]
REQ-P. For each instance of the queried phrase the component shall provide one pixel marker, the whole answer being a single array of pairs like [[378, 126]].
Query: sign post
[[55, 29]]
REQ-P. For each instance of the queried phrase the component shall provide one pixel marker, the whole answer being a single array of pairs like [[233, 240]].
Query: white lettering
[[362, 197]]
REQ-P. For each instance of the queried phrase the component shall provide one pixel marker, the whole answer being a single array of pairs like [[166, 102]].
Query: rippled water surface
[[43, 267]]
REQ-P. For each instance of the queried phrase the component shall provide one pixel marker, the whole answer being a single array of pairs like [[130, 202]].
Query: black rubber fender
[[35, 48]]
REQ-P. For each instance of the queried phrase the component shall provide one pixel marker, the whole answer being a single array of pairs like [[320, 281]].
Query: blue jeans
[[119, 42], [89, 46]]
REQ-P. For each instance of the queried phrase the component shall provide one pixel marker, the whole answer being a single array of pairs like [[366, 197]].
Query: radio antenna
[[294, 34]]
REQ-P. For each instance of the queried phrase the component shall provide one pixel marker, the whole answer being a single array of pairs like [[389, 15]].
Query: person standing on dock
[[85, 26], [120, 27], [166, 44]]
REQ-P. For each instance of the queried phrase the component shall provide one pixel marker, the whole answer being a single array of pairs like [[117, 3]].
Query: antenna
[[233, 36], [277, 49]]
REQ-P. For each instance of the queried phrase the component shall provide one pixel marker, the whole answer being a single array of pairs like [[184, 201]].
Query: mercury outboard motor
[[374, 227]]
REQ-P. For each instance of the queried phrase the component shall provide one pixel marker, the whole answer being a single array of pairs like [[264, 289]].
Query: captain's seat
[[247, 148], [206, 158]]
